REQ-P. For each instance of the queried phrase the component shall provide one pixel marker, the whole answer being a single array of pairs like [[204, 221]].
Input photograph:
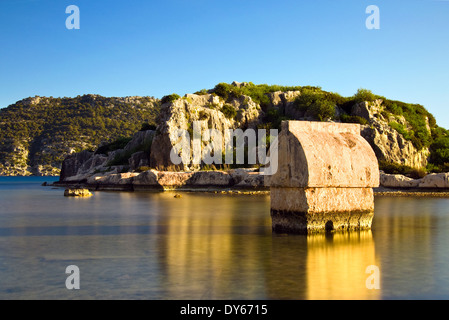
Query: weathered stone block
[[325, 178]]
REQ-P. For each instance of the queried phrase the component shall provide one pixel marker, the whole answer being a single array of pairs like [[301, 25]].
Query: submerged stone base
[[322, 199], [284, 221], [310, 210]]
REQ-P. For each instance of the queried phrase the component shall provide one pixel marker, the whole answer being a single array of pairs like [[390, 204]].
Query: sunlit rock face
[[325, 178]]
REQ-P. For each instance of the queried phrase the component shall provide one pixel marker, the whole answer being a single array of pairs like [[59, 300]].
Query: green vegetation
[[395, 168], [321, 105], [364, 95], [439, 151], [170, 98], [50, 128], [202, 92], [419, 119], [400, 128], [273, 119], [353, 119], [229, 111], [122, 158], [315, 104], [61, 124], [258, 93]]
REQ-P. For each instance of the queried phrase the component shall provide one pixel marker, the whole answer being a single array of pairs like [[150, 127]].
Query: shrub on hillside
[[170, 98], [317, 105], [396, 168], [228, 111], [353, 119], [364, 95]]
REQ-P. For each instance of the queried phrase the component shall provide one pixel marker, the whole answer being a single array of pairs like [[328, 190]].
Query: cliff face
[[388, 144], [241, 112]]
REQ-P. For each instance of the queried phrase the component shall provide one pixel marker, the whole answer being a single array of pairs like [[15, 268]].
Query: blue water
[[150, 245]]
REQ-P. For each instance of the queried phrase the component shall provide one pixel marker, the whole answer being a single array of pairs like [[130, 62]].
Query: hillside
[[36, 134]]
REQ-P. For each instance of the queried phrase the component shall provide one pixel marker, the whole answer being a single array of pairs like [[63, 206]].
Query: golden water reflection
[[214, 256], [336, 266]]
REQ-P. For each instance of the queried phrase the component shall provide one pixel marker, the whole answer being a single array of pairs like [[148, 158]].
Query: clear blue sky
[[138, 47]]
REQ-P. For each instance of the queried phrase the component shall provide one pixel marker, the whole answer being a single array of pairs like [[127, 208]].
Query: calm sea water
[[209, 246]]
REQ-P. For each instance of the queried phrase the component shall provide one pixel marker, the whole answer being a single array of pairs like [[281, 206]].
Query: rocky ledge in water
[[431, 185], [237, 179], [77, 193], [243, 179], [430, 181]]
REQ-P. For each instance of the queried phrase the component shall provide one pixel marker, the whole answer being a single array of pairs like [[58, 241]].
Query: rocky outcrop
[[435, 180], [208, 108], [398, 181], [73, 163], [430, 181], [284, 102], [388, 144], [84, 165], [159, 180], [77, 193]]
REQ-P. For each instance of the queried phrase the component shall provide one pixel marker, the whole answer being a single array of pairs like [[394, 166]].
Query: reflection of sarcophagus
[[324, 180]]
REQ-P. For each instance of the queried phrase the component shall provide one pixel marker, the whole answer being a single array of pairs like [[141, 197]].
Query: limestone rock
[[320, 154], [147, 178], [73, 163], [210, 178], [80, 166], [251, 181], [325, 177], [435, 180], [77, 193], [284, 103], [392, 147], [113, 179], [180, 114], [387, 143], [173, 179], [398, 181]]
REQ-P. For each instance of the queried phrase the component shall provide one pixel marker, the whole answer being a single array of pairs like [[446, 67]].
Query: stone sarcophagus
[[326, 172]]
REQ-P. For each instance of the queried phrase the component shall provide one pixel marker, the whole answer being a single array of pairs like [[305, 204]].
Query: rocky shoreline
[[378, 192], [240, 181], [153, 180], [411, 192]]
